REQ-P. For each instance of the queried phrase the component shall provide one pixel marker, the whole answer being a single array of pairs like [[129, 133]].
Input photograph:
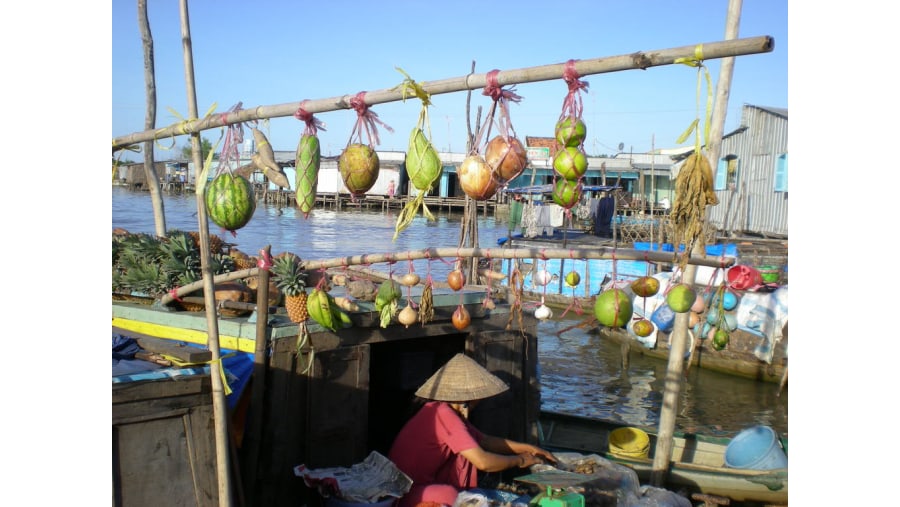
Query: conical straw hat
[[461, 379]]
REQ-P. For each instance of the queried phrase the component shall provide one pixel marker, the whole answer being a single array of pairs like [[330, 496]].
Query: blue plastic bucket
[[756, 448]]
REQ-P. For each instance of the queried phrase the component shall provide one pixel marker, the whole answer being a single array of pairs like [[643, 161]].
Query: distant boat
[[698, 461]]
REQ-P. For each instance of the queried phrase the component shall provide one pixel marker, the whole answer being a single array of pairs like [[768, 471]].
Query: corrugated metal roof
[[779, 111]]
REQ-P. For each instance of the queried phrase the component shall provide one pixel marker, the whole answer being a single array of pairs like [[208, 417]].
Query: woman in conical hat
[[441, 451]]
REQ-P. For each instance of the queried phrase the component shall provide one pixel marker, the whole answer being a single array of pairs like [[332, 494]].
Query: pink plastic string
[[501, 98], [366, 119], [313, 124], [572, 104], [174, 293], [265, 260], [234, 135]]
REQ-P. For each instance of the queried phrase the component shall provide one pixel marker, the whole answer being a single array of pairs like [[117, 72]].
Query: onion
[[409, 279], [461, 318], [408, 316], [456, 280]]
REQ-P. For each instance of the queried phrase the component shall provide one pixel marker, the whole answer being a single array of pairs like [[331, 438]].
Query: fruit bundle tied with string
[[358, 163], [264, 160], [423, 165], [570, 161], [229, 197], [694, 189], [504, 157], [307, 162]]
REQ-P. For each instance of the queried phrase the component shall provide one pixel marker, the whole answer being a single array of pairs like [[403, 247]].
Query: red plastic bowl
[[742, 277]]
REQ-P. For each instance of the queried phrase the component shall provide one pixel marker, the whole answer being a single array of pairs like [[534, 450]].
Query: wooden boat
[[698, 461], [736, 359], [757, 348]]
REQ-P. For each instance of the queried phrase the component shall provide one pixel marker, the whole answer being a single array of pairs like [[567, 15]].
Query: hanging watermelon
[[230, 202]]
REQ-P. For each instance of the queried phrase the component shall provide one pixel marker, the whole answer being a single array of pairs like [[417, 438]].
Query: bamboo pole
[[220, 411], [433, 253], [156, 200], [638, 60], [252, 436], [675, 371]]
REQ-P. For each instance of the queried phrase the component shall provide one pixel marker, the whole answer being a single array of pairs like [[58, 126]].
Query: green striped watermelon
[[230, 201]]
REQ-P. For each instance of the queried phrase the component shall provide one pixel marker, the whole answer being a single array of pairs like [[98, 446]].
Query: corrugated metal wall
[[754, 206]]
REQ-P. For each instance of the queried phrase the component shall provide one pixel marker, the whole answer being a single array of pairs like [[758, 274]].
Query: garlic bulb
[[542, 277], [543, 312]]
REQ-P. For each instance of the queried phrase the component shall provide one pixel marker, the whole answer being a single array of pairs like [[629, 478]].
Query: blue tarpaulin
[[238, 367]]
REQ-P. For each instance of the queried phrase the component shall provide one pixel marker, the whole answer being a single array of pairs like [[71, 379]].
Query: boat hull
[[697, 460]]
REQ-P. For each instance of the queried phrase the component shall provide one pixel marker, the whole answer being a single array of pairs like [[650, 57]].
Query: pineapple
[[292, 282]]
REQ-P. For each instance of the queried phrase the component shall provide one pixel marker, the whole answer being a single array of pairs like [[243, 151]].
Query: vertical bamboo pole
[[152, 179], [252, 437], [674, 373], [212, 324]]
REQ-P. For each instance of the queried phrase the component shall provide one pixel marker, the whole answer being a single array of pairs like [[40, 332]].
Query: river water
[[580, 372]]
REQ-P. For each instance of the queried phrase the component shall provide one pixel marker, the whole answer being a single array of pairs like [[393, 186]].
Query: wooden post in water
[[220, 409], [675, 371]]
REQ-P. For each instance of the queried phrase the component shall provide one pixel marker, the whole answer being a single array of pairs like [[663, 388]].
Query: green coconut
[[567, 193], [570, 131], [681, 297], [570, 163], [613, 308], [359, 167]]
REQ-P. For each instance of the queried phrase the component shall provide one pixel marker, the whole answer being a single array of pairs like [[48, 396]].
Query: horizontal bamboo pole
[[622, 254], [639, 60]]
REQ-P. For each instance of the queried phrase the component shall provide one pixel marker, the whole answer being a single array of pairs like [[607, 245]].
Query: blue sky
[[268, 53]]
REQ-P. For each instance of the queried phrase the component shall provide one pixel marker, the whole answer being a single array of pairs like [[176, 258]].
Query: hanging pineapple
[[291, 280]]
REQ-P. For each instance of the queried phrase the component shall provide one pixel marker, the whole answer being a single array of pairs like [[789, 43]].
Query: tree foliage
[[205, 148]]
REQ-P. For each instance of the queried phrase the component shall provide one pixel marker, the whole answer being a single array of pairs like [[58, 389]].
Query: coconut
[[570, 163], [507, 158], [645, 286], [477, 179], [359, 167], [613, 308], [681, 297], [567, 193], [570, 131], [642, 328]]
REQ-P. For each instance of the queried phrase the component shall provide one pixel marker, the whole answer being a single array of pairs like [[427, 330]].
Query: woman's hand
[[543, 454]]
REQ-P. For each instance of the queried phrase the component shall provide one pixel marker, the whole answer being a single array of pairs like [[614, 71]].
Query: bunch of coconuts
[[504, 158], [570, 162]]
